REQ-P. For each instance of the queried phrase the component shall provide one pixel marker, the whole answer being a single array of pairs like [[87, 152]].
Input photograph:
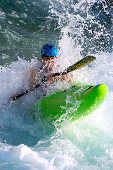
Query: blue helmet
[[49, 50]]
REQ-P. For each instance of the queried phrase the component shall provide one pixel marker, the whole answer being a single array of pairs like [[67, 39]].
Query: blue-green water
[[78, 28]]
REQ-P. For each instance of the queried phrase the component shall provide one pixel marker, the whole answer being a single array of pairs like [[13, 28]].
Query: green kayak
[[73, 103]]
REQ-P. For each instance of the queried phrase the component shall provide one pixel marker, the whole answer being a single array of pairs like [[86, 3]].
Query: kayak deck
[[73, 103]]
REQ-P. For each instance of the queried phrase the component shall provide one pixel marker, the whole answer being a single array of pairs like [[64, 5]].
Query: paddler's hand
[[52, 79], [67, 77]]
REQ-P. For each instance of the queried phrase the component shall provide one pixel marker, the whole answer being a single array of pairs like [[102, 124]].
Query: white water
[[85, 144]]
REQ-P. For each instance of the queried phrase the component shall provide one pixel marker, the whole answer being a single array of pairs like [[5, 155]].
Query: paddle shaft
[[82, 63]]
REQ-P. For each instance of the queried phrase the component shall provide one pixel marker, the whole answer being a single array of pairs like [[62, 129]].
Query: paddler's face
[[49, 62], [48, 59]]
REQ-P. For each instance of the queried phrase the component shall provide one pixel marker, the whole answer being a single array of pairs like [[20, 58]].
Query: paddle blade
[[82, 63]]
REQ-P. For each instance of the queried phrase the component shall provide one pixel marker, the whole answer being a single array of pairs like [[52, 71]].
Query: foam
[[31, 144]]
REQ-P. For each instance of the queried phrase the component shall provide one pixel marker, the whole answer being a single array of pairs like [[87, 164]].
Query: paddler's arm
[[34, 76]]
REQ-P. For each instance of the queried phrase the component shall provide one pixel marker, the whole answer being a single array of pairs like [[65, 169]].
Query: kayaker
[[39, 75], [48, 67]]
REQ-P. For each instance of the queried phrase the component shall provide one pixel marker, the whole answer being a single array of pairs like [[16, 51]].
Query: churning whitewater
[[77, 28]]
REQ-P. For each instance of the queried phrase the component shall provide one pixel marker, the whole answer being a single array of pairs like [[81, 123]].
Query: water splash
[[79, 28]]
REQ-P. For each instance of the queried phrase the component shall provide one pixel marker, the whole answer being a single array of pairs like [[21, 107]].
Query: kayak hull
[[72, 103]]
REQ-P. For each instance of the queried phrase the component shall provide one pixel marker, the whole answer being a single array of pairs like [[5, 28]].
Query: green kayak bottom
[[73, 103]]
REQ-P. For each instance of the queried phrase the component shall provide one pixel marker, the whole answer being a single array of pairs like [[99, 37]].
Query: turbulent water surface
[[78, 28]]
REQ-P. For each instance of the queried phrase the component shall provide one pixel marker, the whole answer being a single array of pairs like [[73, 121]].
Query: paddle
[[82, 63]]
